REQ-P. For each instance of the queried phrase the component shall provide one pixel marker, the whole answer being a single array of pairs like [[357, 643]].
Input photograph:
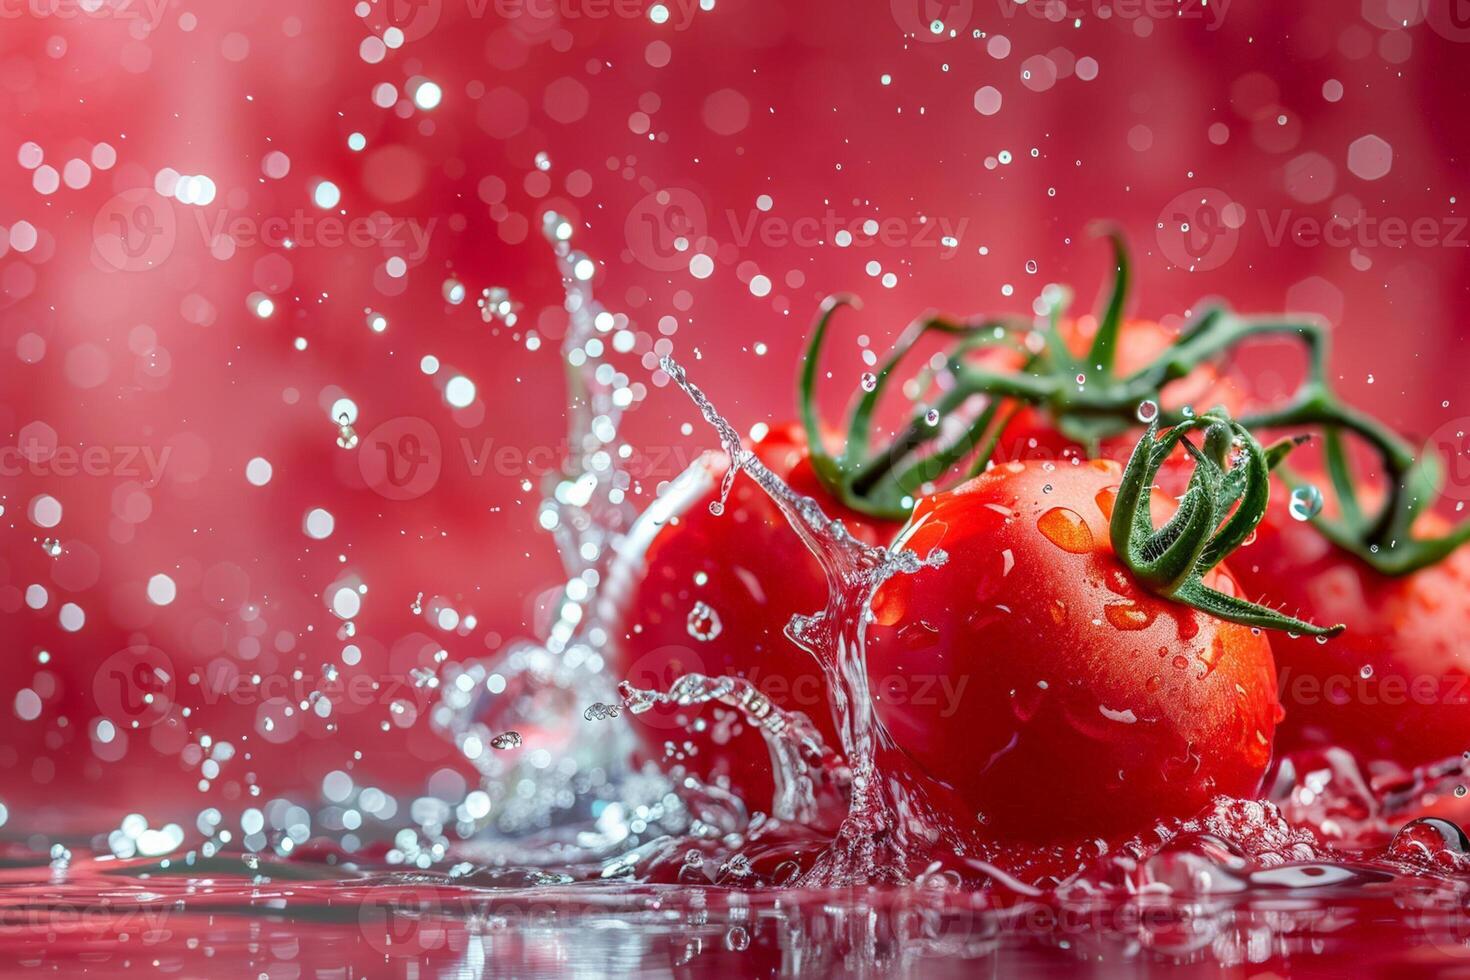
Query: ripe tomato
[[752, 574], [1396, 686], [1032, 674]]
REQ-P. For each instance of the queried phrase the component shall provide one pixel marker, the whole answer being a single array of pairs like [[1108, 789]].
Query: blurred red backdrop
[[158, 331]]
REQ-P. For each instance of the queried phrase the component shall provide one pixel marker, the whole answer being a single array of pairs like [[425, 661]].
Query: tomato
[[1032, 674], [751, 571], [1395, 686]]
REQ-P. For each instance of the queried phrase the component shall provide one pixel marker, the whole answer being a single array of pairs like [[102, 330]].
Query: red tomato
[[1396, 685], [749, 567], [1034, 677]]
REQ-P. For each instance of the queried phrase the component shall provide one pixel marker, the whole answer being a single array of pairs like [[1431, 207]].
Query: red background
[[715, 106]]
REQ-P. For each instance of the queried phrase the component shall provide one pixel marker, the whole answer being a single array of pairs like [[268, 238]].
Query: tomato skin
[[757, 575], [1411, 630], [1009, 672]]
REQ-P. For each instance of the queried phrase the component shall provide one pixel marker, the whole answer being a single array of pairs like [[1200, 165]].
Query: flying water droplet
[[869, 381], [931, 417], [703, 622], [597, 711], [506, 740], [1305, 503], [346, 434], [1148, 411], [1428, 837]]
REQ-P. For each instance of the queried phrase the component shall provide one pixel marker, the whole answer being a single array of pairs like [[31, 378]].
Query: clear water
[[577, 861]]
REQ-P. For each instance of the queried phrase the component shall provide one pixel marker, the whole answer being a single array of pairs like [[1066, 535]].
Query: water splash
[[892, 825]]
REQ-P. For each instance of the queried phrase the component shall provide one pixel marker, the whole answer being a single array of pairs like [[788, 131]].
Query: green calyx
[[1087, 400], [1226, 499]]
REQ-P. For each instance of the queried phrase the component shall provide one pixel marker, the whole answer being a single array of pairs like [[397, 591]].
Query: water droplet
[[1127, 616], [869, 381], [1428, 837], [1082, 379], [703, 622], [1148, 411], [931, 417], [598, 711], [1305, 503], [1066, 529], [51, 546], [506, 740], [1366, 671]]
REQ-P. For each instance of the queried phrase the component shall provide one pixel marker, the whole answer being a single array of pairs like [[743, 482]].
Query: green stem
[[1105, 343], [1106, 405], [1172, 561]]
